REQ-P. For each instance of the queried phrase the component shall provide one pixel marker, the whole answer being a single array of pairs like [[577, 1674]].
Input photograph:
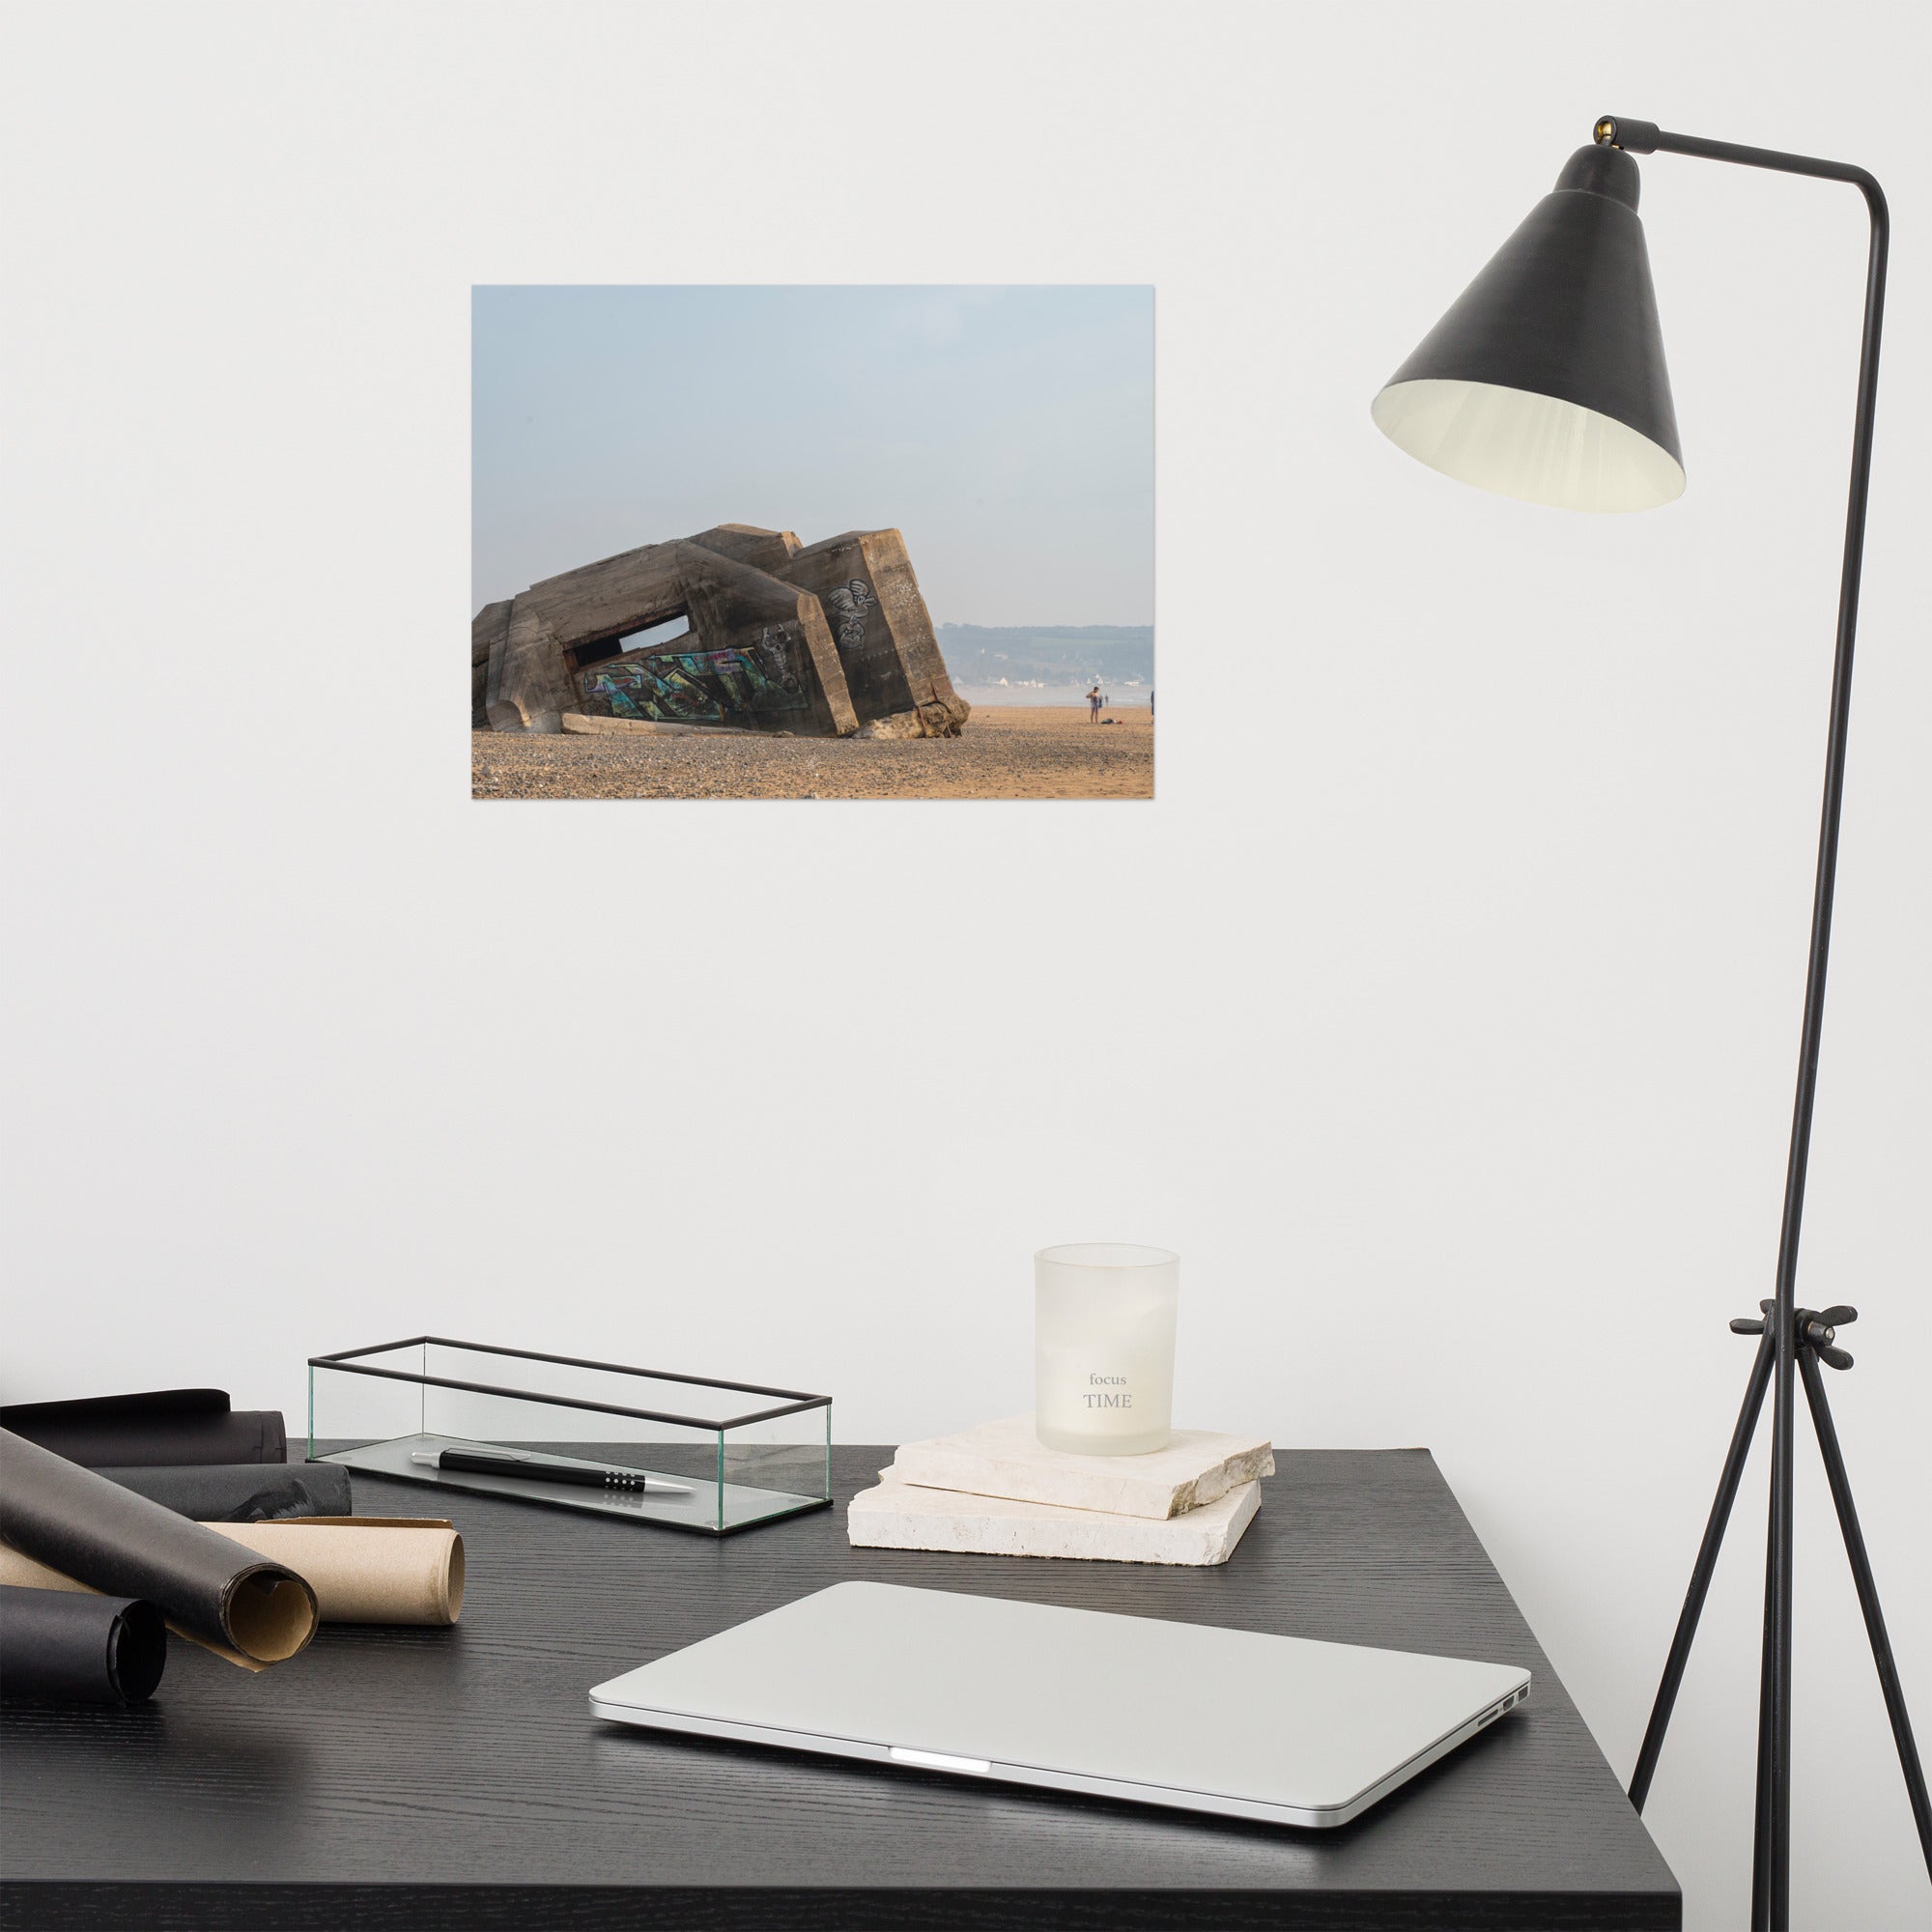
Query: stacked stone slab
[[997, 1490], [820, 640]]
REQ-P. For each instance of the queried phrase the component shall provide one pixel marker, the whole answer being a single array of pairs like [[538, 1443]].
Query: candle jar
[[1103, 1346]]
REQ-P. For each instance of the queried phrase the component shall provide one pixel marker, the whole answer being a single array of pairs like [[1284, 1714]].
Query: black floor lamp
[[1547, 382]]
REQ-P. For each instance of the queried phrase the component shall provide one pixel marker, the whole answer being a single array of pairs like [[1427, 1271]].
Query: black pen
[[531, 1469]]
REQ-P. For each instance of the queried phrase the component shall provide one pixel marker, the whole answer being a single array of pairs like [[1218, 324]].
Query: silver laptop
[[1279, 1728]]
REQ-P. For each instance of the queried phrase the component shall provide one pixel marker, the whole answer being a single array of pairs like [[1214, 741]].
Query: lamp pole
[[1795, 1344], [1544, 380]]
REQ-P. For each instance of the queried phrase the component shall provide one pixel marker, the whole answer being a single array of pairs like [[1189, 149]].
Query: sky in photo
[[1007, 432]]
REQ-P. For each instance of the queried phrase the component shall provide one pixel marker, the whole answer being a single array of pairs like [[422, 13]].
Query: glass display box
[[683, 1452]]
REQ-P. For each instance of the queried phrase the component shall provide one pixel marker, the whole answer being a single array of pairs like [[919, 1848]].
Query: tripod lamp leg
[[1868, 1588], [1778, 1628], [1761, 1829], [1701, 1574]]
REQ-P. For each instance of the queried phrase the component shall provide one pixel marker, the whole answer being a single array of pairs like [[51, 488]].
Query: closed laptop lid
[[1279, 1721]]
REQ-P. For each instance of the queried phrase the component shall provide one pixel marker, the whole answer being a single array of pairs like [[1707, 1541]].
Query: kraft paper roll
[[89, 1533], [74, 1649], [242, 1492], [363, 1570], [367, 1570], [158, 1426]]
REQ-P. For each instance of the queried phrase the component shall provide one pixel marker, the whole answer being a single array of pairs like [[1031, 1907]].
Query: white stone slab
[[1007, 1458], [903, 1516]]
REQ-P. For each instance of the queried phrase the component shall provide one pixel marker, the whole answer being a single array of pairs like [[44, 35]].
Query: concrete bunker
[[816, 640]]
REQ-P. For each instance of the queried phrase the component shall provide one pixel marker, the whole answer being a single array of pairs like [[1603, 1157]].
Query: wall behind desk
[[1440, 1011]]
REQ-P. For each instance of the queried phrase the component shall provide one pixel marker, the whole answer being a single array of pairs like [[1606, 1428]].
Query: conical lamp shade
[[1545, 381]]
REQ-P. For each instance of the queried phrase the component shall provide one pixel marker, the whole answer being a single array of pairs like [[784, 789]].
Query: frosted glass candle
[[1103, 1347]]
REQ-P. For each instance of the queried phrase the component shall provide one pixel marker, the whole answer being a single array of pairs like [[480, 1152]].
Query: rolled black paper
[[242, 1492], [118, 1543], [80, 1649], [163, 1426]]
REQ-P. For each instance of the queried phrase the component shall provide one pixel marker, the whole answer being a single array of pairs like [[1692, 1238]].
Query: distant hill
[[1048, 654]]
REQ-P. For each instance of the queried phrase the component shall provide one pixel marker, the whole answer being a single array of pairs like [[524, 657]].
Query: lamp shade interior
[[1518, 443]]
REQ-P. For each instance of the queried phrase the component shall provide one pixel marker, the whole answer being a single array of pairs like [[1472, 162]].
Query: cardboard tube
[[366, 1570], [89, 1533], [363, 1570], [19, 1572]]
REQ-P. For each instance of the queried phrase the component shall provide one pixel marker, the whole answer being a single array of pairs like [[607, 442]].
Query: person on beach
[[1093, 705]]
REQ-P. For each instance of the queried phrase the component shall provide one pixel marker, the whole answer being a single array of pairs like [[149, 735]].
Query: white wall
[[1442, 1009]]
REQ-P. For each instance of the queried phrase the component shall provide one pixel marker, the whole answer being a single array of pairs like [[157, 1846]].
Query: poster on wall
[[823, 542]]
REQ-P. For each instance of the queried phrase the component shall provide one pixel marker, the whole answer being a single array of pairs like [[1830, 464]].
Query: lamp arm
[[1647, 137], [1771, 1904]]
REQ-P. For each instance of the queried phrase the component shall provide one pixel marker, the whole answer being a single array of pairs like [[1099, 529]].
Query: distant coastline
[[1048, 664], [1049, 696]]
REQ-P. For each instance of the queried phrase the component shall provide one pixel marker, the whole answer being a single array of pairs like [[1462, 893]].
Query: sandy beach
[[1003, 752]]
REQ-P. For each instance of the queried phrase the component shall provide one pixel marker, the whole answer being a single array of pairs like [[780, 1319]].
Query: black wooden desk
[[420, 1779]]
